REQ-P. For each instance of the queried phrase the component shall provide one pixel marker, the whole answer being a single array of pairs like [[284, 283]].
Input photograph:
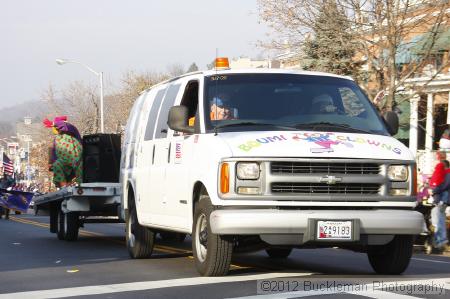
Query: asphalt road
[[34, 264]]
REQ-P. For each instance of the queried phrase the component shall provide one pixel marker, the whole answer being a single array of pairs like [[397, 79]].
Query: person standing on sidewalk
[[440, 193], [438, 175], [5, 183], [444, 141]]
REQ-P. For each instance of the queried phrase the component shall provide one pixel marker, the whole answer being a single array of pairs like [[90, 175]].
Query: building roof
[[420, 45]]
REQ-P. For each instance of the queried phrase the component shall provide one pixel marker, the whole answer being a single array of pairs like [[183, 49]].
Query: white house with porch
[[430, 93]]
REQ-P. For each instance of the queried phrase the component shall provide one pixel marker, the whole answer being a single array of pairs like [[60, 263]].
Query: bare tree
[[119, 103], [49, 96], [175, 69], [39, 159], [79, 102], [396, 38]]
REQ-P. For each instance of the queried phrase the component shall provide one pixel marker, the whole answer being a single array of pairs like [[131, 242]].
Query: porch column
[[429, 135], [413, 124], [448, 109]]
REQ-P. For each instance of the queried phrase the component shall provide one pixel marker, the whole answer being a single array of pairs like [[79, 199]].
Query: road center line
[[88, 234], [431, 261], [159, 248], [141, 286]]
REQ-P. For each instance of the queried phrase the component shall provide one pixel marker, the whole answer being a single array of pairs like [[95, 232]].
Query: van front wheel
[[392, 258], [212, 253]]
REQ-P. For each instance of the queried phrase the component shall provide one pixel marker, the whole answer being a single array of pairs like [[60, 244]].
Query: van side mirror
[[178, 119], [391, 119]]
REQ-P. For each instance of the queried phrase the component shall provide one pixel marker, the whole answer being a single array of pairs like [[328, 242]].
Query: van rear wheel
[[392, 258], [212, 252], [140, 239]]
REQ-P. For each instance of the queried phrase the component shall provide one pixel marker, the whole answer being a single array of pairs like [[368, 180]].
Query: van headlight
[[398, 173], [247, 170]]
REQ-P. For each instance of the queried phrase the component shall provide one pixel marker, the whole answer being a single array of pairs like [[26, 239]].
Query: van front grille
[[322, 188], [324, 168]]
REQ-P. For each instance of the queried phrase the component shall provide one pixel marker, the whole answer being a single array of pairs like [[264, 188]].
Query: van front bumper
[[275, 221]]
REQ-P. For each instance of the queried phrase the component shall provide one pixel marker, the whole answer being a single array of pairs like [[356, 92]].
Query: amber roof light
[[222, 63]]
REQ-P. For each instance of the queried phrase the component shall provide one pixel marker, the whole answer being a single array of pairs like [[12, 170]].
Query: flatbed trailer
[[70, 207]]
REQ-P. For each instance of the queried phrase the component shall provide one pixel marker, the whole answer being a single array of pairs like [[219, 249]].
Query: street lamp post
[[28, 139], [100, 75]]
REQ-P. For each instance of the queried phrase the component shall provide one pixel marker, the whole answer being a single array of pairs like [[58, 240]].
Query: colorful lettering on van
[[322, 139], [247, 146], [326, 140]]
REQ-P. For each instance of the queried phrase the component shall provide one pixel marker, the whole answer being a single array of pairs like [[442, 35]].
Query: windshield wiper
[[316, 125], [252, 123]]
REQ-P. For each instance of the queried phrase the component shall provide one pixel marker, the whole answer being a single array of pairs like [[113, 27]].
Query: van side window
[[169, 100], [132, 120], [190, 98], [153, 114]]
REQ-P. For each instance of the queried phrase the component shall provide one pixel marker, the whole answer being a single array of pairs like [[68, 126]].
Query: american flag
[[8, 166]]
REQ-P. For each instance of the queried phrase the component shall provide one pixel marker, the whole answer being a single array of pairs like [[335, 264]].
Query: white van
[[270, 159]]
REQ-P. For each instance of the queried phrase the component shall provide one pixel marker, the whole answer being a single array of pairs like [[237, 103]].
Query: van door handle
[[153, 155], [168, 154]]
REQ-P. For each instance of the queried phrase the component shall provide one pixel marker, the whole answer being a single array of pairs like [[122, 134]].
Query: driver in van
[[219, 109], [323, 104]]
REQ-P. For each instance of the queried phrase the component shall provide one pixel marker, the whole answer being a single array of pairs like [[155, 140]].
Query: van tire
[[278, 253], [392, 258], [72, 225], [140, 239], [61, 233], [173, 237], [214, 259]]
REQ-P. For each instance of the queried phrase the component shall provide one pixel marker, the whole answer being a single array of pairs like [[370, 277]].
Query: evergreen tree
[[192, 68], [331, 48]]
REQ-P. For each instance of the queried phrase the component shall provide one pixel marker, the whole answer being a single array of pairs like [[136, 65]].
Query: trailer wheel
[[212, 253], [278, 253], [392, 258], [53, 219], [172, 237], [61, 233], [140, 239], [71, 226]]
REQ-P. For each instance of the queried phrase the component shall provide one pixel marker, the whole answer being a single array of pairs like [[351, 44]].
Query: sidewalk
[[420, 249]]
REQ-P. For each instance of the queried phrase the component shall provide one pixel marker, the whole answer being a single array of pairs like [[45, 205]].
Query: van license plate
[[334, 230]]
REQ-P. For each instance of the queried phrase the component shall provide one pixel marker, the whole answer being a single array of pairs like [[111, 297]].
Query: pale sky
[[115, 36]]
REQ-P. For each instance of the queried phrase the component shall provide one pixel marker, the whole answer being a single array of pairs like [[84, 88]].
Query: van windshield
[[243, 102]]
